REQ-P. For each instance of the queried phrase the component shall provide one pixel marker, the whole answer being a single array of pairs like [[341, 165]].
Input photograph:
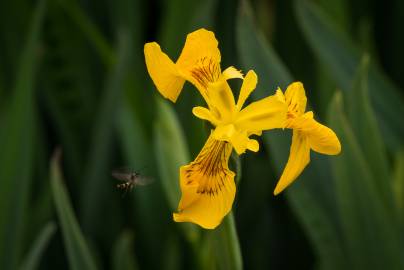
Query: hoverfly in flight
[[130, 179]]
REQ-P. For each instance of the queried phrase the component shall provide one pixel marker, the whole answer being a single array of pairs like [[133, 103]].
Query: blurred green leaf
[[171, 153], [151, 211], [369, 231], [123, 257], [13, 31], [90, 31], [78, 253], [255, 53], [17, 141], [226, 246], [316, 219], [173, 254], [170, 150], [35, 254], [69, 79], [95, 185], [342, 58], [365, 127], [398, 187]]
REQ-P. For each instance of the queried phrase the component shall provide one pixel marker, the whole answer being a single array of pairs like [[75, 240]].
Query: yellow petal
[[207, 186], [321, 138], [204, 114], [163, 72], [232, 73], [265, 114], [221, 101], [200, 44], [238, 138], [253, 145], [296, 98], [299, 157], [249, 84], [199, 62]]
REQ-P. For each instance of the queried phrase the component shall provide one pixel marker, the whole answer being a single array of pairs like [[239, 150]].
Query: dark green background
[[73, 78]]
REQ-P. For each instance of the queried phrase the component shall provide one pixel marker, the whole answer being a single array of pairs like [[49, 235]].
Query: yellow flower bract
[[207, 184]]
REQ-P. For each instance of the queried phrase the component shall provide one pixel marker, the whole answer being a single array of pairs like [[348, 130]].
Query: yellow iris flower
[[207, 184], [307, 134]]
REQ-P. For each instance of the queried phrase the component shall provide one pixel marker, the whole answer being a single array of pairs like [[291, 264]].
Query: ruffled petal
[[265, 114], [249, 84], [163, 72], [321, 138], [296, 99], [232, 73], [207, 186], [299, 157]]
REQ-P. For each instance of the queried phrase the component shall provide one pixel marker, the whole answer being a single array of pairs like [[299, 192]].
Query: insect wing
[[141, 180], [123, 174]]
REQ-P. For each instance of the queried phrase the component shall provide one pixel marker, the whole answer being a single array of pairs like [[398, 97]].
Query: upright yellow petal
[[296, 99], [321, 138], [163, 72], [207, 186], [265, 114], [249, 84], [299, 157], [221, 101], [200, 44]]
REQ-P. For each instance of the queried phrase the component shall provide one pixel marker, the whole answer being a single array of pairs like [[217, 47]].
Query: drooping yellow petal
[[221, 101], [163, 72], [249, 84], [207, 186], [237, 138], [265, 114], [296, 99], [299, 157], [321, 138]]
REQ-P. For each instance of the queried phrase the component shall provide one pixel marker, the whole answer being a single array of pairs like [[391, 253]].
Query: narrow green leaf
[[170, 150], [78, 253], [31, 262], [171, 153], [17, 139], [310, 196], [95, 185], [123, 256], [398, 187], [226, 245], [365, 127], [149, 203], [342, 58], [255, 53], [173, 255], [370, 233], [88, 28]]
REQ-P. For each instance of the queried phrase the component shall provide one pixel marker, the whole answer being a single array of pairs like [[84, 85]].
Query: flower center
[[206, 71]]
